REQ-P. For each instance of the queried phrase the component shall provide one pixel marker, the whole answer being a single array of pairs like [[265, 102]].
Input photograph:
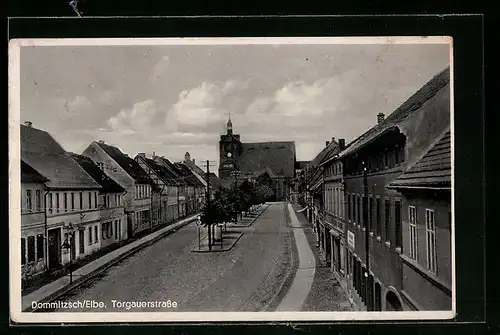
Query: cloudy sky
[[172, 98]]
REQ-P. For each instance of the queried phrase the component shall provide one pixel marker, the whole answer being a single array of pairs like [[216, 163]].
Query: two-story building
[[177, 197], [128, 174], [374, 212], [166, 183], [426, 229], [111, 209], [333, 213], [33, 253], [72, 214], [194, 189]]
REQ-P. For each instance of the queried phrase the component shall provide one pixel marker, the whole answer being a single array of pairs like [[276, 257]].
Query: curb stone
[[220, 250], [251, 222], [85, 278]]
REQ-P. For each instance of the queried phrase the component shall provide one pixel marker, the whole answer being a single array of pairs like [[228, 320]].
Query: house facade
[[426, 229], [110, 204], [71, 211], [374, 212], [176, 196], [33, 247], [127, 173]]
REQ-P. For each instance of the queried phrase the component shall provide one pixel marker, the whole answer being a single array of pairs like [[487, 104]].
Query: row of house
[[381, 205], [75, 204]]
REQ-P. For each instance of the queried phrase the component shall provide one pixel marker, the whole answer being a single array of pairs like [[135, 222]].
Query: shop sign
[[351, 239]]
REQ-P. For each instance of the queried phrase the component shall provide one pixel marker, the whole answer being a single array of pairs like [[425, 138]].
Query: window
[[72, 201], [96, 233], [100, 165], [359, 209], [119, 203], [90, 200], [412, 220], [50, 203], [23, 251], [31, 249], [108, 201], [39, 246], [116, 229], [431, 240], [111, 229], [81, 200], [57, 203], [354, 217], [29, 206], [65, 197], [370, 218], [90, 235], [397, 223], [377, 219], [349, 207], [103, 230], [388, 220], [81, 241], [38, 200]]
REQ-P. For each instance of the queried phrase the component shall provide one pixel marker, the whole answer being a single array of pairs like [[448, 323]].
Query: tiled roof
[[28, 174], [426, 92], [171, 170], [108, 184], [215, 181], [45, 155], [277, 156], [161, 171], [130, 166], [432, 170], [188, 176]]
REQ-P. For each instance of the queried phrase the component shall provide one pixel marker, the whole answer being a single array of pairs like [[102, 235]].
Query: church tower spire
[[229, 126]]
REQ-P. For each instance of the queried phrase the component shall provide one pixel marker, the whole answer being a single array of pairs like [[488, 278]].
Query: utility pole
[[367, 237]]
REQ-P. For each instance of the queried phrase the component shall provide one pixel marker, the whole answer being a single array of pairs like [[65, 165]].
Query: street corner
[[228, 241]]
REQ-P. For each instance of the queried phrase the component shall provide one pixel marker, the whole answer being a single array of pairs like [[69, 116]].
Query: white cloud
[[138, 119]]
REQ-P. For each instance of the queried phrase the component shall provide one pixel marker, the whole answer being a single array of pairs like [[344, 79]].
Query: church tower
[[229, 151]]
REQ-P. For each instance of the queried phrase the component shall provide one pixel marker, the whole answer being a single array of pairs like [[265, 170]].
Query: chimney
[[380, 117], [140, 154], [154, 155], [101, 141], [28, 123], [326, 144], [333, 139], [193, 160], [341, 143]]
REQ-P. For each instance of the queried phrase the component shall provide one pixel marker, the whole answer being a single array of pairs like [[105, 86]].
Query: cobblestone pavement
[[247, 278], [326, 294]]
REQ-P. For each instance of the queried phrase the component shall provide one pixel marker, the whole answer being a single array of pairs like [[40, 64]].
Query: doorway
[[378, 297], [392, 302], [54, 247]]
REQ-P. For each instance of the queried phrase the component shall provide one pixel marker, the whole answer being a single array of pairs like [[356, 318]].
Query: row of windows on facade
[[333, 169], [383, 160], [105, 201], [354, 214], [142, 191], [334, 200], [32, 248]]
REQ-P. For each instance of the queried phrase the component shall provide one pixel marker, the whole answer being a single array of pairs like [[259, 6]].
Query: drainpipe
[[46, 189]]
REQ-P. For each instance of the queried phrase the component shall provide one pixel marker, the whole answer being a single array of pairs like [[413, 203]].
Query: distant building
[[195, 189], [426, 216], [111, 208], [251, 159], [33, 253], [128, 174], [70, 198]]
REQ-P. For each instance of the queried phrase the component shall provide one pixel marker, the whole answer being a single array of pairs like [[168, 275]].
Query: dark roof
[[326, 153], [426, 92], [108, 184], [215, 181], [28, 174], [277, 156], [432, 170], [188, 176], [130, 166], [299, 165], [160, 171], [171, 170], [42, 152], [196, 169]]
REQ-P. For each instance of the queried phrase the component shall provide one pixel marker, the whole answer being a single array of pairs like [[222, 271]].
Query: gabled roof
[[28, 174], [42, 152], [171, 169], [196, 169], [187, 175], [131, 167], [426, 92], [433, 170], [277, 156], [215, 181], [161, 171], [108, 185]]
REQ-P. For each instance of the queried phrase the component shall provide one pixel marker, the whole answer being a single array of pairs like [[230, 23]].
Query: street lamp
[[198, 224], [69, 246]]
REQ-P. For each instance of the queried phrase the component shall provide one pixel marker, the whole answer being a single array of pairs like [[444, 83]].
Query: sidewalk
[[248, 220], [61, 286], [302, 283]]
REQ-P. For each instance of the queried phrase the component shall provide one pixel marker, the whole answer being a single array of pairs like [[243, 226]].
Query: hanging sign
[[351, 239]]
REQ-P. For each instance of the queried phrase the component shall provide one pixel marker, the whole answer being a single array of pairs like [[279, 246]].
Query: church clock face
[[229, 155]]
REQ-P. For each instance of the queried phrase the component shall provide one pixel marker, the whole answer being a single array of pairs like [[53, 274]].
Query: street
[[247, 278]]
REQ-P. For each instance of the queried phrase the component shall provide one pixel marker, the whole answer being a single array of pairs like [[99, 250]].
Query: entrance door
[[73, 245], [378, 297], [54, 248]]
